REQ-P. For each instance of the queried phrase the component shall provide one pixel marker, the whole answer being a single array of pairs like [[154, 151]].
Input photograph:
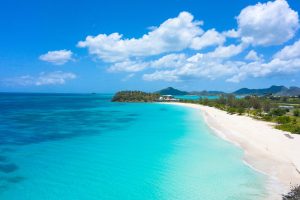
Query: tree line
[[263, 108]]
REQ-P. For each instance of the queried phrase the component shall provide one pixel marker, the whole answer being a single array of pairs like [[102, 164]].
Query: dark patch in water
[[5, 182], [3, 188], [34, 118], [15, 179], [6, 150], [132, 115], [124, 120], [3, 158], [163, 109], [8, 168]]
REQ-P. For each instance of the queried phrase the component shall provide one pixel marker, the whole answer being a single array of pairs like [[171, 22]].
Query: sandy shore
[[273, 152]]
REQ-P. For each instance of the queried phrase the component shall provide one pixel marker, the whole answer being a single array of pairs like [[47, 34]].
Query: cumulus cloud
[[202, 66], [168, 76], [265, 24], [44, 78], [169, 61], [209, 38], [262, 69], [227, 51], [289, 52], [59, 57], [197, 66], [231, 33], [128, 66], [253, 56], [270, 23], [173, 50], [129, 76], [175, 34]]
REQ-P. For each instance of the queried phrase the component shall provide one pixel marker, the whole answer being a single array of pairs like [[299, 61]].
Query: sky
[[106, 46]]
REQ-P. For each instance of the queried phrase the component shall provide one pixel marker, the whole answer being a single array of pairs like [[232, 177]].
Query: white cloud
[[59, 57], [261, 69], [54, 78], [253, 56], [197, 66], [174, 34], [270, 23], [288, 52], [50, 78], [205, 66], [22, 80], [209, 65], [263, 24], [129, 76], [128, 66], [168, 76], [169, 61], [209, 38], [231, 33], [227, 51]]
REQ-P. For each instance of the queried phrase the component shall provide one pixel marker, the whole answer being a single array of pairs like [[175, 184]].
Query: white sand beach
[[270, 151]]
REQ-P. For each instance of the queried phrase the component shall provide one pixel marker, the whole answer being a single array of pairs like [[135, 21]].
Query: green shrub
[[240, 110], [267, 117], [296, 112], [293, 128], [278, 112], [283, 119], [231, 110], [294, 194]]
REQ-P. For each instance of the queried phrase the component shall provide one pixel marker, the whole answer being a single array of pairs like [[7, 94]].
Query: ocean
[[84, 147]]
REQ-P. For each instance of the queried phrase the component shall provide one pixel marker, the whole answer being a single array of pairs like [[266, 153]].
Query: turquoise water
[[195, 97], [84, 147], [187, 97]]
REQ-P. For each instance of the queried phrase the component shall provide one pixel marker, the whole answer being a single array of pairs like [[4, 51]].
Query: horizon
[[231, 92], [66, 47]]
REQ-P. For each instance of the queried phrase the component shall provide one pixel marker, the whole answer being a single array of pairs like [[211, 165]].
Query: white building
[[167, 98]]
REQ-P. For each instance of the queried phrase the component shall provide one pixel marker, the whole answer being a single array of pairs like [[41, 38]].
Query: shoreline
[[267, 150]]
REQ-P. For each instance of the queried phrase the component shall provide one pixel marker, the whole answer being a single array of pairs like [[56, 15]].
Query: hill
[[292, 91], [171, 91], [207, 93], [271, 90]]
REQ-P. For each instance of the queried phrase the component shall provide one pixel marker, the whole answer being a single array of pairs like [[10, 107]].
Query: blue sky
[[106, 46]]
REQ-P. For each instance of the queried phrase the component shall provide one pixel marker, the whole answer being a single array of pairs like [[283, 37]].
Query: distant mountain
[[207, 93], [275, 90], [171, 91], [292, 91]]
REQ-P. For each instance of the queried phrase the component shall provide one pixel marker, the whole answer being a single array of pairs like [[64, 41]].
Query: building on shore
[[167, 98]]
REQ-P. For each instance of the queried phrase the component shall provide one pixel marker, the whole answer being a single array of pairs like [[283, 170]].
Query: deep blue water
[[82, 146]]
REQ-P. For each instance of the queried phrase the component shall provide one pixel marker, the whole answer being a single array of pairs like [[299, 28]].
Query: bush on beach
[[294, 194]]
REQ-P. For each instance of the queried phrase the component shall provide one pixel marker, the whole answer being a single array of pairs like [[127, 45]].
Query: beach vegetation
[[296, 112], [231, 110], [241, 110], [278, 112], [135, 96], [294, 194], [284, 112], [283, 119]]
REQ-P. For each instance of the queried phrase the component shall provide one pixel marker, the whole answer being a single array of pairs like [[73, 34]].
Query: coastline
[[268, 150]]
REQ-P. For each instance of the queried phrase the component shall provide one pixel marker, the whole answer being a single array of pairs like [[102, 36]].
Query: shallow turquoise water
[[84, 147], [195, 97]]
